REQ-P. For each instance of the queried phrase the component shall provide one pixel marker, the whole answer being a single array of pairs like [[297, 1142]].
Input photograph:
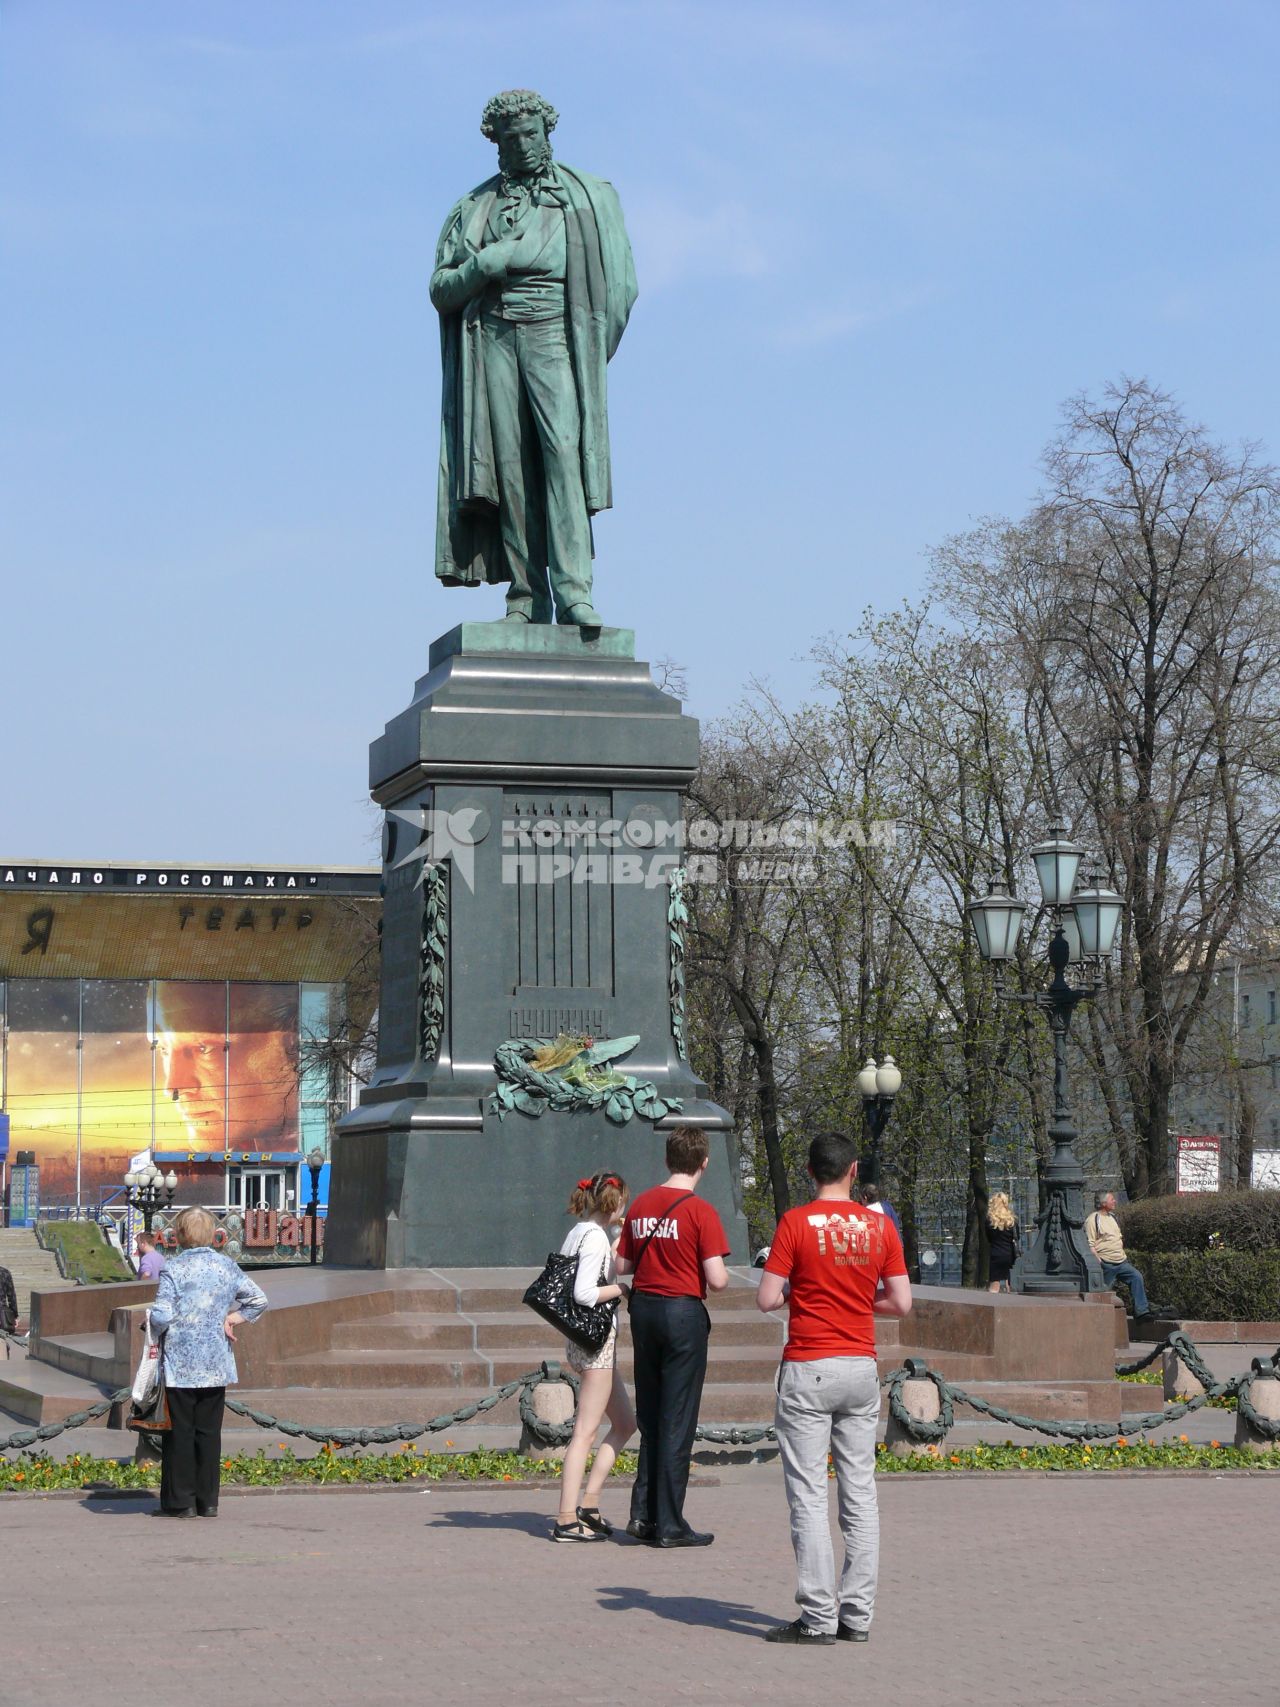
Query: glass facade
[[211, 1076]]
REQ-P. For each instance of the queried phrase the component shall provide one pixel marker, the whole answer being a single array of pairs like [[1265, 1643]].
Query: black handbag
[[551, 1295]]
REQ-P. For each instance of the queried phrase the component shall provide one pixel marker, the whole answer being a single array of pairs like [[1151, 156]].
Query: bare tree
[[1136, 608]]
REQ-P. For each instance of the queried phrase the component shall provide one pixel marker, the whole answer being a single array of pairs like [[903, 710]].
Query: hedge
[[1201, 1221], [1213, 1286]]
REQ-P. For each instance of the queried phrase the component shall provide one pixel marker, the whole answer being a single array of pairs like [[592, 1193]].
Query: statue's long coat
[[600, 288]]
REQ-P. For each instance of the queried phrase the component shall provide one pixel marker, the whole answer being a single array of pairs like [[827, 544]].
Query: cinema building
[[201, 1013]]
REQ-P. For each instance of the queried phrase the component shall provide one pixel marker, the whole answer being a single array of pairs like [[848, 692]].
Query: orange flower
[[1121, 1441], [1215, 1443], [955, 1457], [507, 1478], [20, 1475], [1183, 1439]]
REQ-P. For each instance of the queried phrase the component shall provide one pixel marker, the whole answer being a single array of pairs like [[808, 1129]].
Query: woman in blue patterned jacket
[[201, 1298]]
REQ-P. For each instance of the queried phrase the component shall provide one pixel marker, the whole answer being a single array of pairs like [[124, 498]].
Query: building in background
[[189, 1011], [1232, 1090]]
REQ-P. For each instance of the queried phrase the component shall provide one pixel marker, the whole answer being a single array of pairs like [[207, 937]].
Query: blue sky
[[877, 246]]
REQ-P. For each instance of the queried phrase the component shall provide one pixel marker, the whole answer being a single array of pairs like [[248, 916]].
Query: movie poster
[[263, 1053], [115, 1101], [44, 1025], [226, 1067], [191, 1066], [223, 1075]]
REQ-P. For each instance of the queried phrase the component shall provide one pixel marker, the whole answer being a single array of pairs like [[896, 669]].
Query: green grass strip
[[278, 1466]]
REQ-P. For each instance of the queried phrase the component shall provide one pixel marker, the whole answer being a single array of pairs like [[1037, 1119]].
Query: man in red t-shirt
[[838, 1265], [674, 1246]]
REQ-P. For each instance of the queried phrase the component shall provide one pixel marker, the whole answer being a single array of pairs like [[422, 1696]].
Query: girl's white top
[[588, 1241]]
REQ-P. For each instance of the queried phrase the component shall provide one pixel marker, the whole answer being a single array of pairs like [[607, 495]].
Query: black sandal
[[590, 1515], [576, 1531]]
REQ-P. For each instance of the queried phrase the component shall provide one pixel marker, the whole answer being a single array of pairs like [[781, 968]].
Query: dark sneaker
[[590, 1515], [803, 1635], [163, 1513], [847, 1633], [641, 1529], [686, 1538]]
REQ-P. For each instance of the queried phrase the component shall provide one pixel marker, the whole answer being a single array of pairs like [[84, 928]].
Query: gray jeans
[[831, 1405]]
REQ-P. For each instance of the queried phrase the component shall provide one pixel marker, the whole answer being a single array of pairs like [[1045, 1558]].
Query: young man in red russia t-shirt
[[838, 1265], [674, 1246]]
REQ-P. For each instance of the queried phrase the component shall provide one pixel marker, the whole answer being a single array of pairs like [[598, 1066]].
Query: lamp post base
[[1060, 1262]]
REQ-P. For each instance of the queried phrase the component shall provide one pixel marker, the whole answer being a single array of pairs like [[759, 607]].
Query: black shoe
[[847, 1633], [686, 1538], [642, 1529], [590, 1515], [575, 1531], [163, 1513], [209, 1511], [802, 1634]]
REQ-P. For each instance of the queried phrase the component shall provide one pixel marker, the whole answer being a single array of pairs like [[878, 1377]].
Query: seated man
[[1107, 1244]]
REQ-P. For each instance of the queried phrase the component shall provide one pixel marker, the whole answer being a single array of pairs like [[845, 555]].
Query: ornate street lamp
[[315, 1161], [878, 1085], [143, 1188], [1085, 922]]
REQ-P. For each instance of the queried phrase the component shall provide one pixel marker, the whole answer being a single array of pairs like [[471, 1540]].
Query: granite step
[[91, 1357], [32, 1392], [33, 1269], [403, 1331], [445, 1368], [503, 1331]]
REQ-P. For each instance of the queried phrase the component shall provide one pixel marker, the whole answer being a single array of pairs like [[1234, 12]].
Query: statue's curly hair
[[512, 102]]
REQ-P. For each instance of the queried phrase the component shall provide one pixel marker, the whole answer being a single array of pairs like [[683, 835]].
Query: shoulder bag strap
[[635, 1267]]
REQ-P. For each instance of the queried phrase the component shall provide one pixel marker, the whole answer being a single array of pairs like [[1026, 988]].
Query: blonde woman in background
[[1002, 1241], [599, 1204], [201, 1298]]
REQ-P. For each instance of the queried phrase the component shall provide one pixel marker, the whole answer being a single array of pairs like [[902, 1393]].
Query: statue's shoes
[[517, 616], [584, 617]]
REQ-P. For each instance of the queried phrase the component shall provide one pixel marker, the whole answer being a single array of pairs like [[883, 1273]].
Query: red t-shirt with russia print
[[686, 1235], [834, 1253]]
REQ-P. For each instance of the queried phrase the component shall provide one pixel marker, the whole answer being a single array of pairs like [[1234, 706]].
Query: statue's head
[[520, 122]]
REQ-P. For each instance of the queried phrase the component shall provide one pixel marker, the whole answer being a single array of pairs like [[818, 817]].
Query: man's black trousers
[[669, 1341], [191, 1453]]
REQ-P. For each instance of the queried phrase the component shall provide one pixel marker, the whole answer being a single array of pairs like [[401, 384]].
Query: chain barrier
[[920, 1429], [1236, 1386]]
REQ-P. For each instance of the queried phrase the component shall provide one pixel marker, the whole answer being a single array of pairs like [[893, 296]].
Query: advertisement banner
[[101, 1069], [1198, 1164], [1266, 1170]]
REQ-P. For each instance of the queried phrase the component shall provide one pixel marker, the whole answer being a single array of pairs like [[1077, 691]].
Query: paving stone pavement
[[1118, 1592]]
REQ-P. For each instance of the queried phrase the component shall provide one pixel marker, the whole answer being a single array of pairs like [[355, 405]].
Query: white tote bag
[[147, 1377]]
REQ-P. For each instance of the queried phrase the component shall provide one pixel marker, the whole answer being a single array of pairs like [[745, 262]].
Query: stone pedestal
[[533, 791]]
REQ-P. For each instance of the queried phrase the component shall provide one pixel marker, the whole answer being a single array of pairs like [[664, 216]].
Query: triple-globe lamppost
[[1085, 922], [145, 1187]]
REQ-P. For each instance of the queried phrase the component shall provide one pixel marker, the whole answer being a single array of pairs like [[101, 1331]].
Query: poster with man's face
[[226, 1066]]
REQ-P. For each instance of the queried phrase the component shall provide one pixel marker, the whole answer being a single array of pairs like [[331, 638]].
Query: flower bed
[[280, 1467]]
